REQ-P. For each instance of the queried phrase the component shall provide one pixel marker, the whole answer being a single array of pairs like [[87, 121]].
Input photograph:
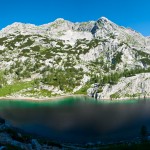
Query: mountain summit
[[98, 58]]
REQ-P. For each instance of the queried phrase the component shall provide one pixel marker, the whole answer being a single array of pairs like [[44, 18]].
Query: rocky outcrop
[[136, 86], [93, 91], [5, 139], [11, 138]]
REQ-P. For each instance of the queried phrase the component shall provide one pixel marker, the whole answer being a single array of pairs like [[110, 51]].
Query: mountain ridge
[[101, 19], [63, 57]]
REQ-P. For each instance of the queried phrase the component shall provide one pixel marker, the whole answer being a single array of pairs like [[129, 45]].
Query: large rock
[[92, 92], [2, 121], [36, 145], [137, 86], [5, 139]]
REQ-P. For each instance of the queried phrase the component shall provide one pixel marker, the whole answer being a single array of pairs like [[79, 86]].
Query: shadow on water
[[79, 119]]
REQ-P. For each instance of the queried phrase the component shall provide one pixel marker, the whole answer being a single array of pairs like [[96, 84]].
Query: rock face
[[136, 86], [64, 57], [93, 91]]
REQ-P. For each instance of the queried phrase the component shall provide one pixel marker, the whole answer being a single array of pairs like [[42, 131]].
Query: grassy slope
[[9, 89]]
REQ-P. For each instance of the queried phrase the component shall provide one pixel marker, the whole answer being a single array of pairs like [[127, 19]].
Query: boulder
[[2, 121]]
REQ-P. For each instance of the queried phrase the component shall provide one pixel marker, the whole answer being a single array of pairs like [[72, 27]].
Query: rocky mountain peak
[[59, 19], [18, 25], [104, 19], [18, 28]]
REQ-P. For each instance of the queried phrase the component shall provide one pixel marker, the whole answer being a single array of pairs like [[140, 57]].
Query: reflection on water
[[78, 119]]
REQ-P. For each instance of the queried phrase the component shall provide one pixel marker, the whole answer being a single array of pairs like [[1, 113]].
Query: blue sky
[[128, 13]]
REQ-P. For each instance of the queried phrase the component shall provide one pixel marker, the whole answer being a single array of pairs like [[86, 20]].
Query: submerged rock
[[6, 139], [2, 121], [36, 145]]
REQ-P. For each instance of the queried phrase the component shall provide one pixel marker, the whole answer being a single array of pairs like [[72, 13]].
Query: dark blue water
[[79, 119]]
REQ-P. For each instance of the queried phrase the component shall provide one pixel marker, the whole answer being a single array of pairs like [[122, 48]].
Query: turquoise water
[[78, 119]]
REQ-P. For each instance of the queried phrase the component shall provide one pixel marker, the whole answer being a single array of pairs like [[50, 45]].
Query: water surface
[[79, 119]]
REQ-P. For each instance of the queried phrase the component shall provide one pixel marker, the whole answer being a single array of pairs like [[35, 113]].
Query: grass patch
[[10, 89], [83, 90], [115, 95], [43, 92]]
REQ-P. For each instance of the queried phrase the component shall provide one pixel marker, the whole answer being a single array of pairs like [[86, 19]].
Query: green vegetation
[[19, 38], [83, 90], [116, 60], [133, 95], [15, 87], [113, 78], [28, 43], [143, 57], [2, 40], [62, 59], [24, 51], [141, 53], [112, 36], [60, 43], [66, 79], [36, 48], [88, 44], [115, 96], [2, 79], [37, 93], [97, 62], [145, 61]]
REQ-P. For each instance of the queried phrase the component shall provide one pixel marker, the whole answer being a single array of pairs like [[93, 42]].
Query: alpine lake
[[79, 119]]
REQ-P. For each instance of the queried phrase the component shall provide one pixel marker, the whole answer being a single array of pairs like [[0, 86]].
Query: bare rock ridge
[[63, 57]]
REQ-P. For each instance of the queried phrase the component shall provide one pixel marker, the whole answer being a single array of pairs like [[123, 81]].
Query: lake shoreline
[[54, 98], [23, 109], [60, 97]]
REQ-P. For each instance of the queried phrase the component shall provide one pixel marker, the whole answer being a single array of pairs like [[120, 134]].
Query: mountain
[[98, 58]]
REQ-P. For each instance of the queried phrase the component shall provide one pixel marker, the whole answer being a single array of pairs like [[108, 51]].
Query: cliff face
[[64, 57], [136, 86]]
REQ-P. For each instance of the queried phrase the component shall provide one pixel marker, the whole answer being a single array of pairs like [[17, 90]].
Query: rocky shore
[[14, 139]]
